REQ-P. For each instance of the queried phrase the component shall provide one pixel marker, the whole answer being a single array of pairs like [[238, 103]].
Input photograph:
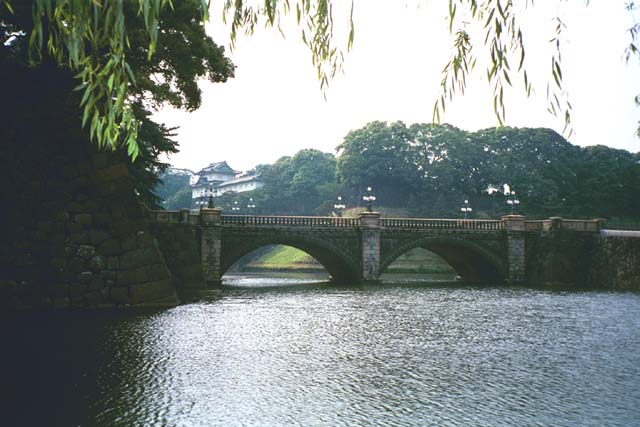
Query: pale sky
[[274, 107]]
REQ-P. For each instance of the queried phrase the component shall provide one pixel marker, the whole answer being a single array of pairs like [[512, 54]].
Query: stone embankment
[[616, 262], [73, 232]]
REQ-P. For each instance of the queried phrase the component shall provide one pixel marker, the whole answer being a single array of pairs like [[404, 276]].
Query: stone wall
[[616, 263], [559, 258], [179, 245], [73, 232], [583, 261]]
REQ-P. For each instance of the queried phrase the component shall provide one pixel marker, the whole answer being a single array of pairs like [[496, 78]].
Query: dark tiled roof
[[219, 167], [246, 178]]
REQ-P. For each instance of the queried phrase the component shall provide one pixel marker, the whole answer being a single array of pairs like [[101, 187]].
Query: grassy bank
[[286, 258]]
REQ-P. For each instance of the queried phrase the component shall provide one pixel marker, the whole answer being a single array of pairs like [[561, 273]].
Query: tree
[[431, 169], [183, 54], [608, 182], [377, 155], [92, 38], [299, 184]]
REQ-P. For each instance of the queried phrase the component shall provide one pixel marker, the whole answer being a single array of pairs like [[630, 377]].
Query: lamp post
[[251, 205], [466, 209], [210, 202], [201, 201], [369, 198], [512, 201], [235, 207], [339, 206]]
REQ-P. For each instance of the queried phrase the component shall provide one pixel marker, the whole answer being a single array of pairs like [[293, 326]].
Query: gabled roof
[[246, 178], [219, 167]]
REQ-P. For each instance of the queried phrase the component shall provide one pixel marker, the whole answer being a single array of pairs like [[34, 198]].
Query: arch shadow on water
[[467, 262], [276, 266]]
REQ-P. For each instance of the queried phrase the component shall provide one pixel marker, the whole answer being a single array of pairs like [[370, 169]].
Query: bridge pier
[[211, 226], [514, 226], [370, 235]]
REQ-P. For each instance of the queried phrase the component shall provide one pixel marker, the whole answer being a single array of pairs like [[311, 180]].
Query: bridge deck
[[277, 221], [340, 222]]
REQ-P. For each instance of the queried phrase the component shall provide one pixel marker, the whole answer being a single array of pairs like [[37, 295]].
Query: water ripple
[[321, 355]]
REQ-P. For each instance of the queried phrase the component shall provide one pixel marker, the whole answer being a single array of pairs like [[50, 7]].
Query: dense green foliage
[[174, 189], [93, 39], [429, 170], [296, 185], [183, 54]]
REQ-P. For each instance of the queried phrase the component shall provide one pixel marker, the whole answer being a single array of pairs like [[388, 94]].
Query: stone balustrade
[[204, 243], [194, 217], [445, 224], [290, 221], [557, 223]]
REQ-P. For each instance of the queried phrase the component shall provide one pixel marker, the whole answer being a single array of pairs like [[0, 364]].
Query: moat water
[[296, 352]]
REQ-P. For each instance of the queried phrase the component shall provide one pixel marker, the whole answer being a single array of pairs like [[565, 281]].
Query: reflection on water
[[320, 354]]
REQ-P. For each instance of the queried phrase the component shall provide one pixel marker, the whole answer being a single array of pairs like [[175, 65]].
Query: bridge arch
[[339, 263], [470, 260]]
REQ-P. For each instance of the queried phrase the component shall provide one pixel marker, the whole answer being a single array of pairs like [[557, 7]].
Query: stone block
[[97, 263], [78, 207], [96, 284], [86, 251], [8, 285], [77, 290], [129, 259], [110, 247], [62, 216], [84, 219], [124, 228], [141, 275], [23, 259], [93, 299], [62, 302], [85, 277], [102, 159], [112, 263], [126, 278], [150, 291], [59, 290], [58, 262], [129, 243], [45, 226], [144, 239], [76, 265], [119, 295], [158, 272], [109, 275], [112, 172], [79, 238], [101, 219], [57, 243], [97, 237], [77, 301], [138, 258]]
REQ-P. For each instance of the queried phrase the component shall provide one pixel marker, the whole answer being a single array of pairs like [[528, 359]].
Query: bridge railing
[[291, 221], [160, 216], [442, 224], [589, 225], [536, 225], [617, 225], [581, 225]]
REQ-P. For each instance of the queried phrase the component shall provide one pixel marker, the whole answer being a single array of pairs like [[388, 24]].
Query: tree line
[[183, 54], [430, 170]]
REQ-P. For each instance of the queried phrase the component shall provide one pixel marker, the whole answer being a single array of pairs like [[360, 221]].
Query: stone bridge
[[200, 246]]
